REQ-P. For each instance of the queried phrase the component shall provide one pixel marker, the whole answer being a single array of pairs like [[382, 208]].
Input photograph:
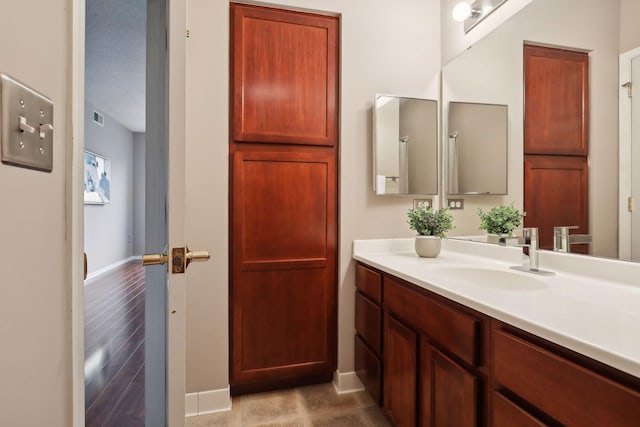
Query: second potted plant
[[500, 221], [431, 226]]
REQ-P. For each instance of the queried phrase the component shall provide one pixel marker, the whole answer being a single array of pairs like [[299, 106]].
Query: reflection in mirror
[[405, 145], [477, 148], [491, 71]]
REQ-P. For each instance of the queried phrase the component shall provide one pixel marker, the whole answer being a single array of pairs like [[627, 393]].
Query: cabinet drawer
[[569, 393], [446, 326], [368, 321], [508, 414], [369, 282], [369, 370]]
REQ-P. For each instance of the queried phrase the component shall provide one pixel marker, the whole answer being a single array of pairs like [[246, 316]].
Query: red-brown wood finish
[[284, 264], [284, 198], [285, 76], [453, 330], [566, 391], [449, 393], [556, 194], [400, 365], [369, 322], [508, 414], [556, 90], [369, 282], [369, 369]]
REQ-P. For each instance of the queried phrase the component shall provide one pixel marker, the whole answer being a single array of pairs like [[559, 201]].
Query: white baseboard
[[108, 268], [207, 402], [346, 382]]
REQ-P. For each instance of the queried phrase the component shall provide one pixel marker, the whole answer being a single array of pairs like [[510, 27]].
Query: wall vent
[[98, 118]]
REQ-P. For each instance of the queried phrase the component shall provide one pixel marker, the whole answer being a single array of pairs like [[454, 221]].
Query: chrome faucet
[[562, 240], [530, 253]]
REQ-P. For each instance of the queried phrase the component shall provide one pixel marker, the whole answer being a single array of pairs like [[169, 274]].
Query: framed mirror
[[405, 146], [491, 72], [476, 149]]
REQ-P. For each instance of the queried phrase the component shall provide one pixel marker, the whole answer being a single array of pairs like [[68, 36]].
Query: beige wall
[[34, 323], [629, 28], [387, 46]]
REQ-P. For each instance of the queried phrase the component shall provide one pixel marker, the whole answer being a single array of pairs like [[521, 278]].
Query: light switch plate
[[26, 126]]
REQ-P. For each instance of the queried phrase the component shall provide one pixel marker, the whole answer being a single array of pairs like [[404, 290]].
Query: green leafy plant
[[501, 219], [427, 221]]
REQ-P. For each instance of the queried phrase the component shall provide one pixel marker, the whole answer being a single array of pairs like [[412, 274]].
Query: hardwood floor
[[114, 348]]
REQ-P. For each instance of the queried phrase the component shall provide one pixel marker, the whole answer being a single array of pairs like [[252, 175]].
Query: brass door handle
[[180, 259], [154, 259], [197, 256]]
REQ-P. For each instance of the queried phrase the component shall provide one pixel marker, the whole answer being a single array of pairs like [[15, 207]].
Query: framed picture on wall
[[97, 179]]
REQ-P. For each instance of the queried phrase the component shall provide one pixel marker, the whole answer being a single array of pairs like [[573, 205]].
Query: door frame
[[624, 153], [176, 322]]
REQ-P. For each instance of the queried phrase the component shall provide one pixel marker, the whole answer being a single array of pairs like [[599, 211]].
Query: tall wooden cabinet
[[284, 197], [556, 141]]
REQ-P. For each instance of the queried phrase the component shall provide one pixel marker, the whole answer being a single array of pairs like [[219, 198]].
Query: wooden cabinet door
[[508, 414], [449, 394], [556, 97], [556, 194], [368, 369], [285, 78], [400, 373], [283, 289]]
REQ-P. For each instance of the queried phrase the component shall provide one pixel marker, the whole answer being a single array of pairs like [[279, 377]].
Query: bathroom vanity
[[462, 340]]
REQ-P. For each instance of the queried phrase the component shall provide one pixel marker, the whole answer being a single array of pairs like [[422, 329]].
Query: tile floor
[[316, 406]]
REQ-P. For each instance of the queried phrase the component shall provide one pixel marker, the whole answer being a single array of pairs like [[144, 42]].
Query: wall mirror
[[491, 72], [476, 148], [405, 146]]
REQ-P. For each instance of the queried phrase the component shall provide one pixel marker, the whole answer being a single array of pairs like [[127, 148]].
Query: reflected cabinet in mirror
[[476, 148], [405, 145], [493, 71]]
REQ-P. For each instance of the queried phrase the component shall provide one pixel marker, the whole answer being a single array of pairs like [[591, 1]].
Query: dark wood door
[[284, 208], [555, 194], [400, 373], [449, 394], [556, 91], [556, 141], [284, 77]]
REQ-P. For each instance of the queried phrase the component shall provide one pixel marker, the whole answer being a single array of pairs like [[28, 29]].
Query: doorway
[[629, 152], [114, 212]]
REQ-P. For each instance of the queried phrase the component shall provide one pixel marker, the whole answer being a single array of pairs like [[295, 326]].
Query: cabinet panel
[[369, 282], [284, 267], [400, 366], [449, 393], [285, 76], [368, 321], [508, 414], [561, 182], [450, 328], [368, 369], [556, 101], [565, 391]]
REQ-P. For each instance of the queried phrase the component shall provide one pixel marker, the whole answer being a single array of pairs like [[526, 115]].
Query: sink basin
[[504, 280]]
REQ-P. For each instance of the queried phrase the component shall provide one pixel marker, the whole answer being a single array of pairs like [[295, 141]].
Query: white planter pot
[[428, 246]]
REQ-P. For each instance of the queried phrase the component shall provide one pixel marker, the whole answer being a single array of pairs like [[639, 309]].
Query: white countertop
[[595, 313]]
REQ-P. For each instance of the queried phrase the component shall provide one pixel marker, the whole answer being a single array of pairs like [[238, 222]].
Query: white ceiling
[[115, 59]]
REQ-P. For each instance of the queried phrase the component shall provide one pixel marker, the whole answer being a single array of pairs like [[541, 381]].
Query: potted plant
[[500, 221], [431, 226]]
